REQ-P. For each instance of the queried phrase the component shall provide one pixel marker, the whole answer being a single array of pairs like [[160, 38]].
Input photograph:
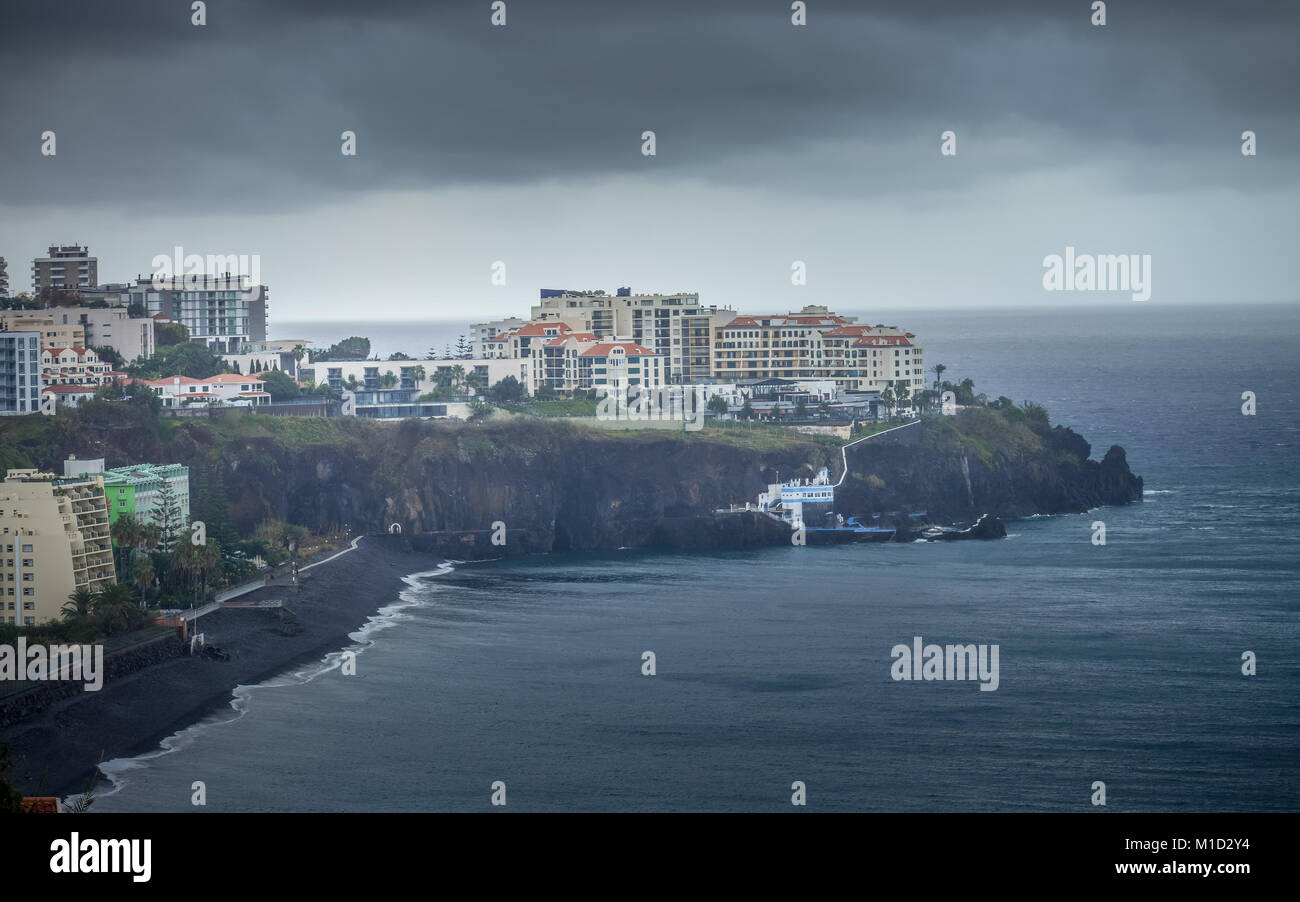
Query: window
[[27, 549], [29, 605]]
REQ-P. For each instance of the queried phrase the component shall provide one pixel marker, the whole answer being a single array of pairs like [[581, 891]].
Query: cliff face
[[555, 486], [956, 468]]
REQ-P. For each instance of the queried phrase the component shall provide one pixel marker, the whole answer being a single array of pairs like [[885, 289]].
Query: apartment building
[[421, 375], [674, 326], [55, 539], [873, 358], [225, 388], [107, 327], [54, 334], [68, 266], [224, 312], [73, 366], [4, 278], [784, 346], [282, 354], [817, 344], [20, 372], [138, 490], [482, 334], [619, 369]]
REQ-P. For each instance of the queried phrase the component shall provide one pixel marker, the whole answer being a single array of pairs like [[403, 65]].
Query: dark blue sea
[[1119, 663]]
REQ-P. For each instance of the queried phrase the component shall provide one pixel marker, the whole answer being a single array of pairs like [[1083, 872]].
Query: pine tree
[[168, 516]]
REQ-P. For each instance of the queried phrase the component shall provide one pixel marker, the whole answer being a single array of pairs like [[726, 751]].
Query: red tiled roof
[[867, 341], [631, 348], [40, 805], [70, 389], [580, 336], [225, 378], [532, 329], [848, 330], [782, 319]]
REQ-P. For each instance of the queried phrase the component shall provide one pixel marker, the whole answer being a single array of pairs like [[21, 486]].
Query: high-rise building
[[674, 326], [4, 278], [68, 266], [20, 372], [222, 312], [55, 540], [817, 344], [138, 490]]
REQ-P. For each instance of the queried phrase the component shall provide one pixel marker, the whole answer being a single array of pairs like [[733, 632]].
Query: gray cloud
[[246, 113]]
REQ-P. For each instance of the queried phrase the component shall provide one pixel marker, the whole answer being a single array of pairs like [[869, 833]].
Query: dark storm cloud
[[246, 113]]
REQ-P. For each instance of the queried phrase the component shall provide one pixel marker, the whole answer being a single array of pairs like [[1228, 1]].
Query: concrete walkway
[[843, 448]]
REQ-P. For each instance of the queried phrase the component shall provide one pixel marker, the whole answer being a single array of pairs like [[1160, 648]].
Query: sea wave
[[116, 771]]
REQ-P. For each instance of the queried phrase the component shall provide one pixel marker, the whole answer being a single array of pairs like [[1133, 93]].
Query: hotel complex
[[138, 490], [56, 540], [673, 339]]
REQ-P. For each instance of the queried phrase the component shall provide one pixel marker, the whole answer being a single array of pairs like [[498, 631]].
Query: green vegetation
[[479, 410], [559, 407], [11, 800], [185, 359], [508, 389], [166, 335], [352, 348], [280, 386]]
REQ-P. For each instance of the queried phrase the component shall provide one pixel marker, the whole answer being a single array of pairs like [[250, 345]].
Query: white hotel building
[[226, 388]]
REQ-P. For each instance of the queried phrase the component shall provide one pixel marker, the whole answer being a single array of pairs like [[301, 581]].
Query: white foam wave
[[117, 770]]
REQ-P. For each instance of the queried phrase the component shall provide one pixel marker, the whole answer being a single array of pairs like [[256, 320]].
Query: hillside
[[558, 486]]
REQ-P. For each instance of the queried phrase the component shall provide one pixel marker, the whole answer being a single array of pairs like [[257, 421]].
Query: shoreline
[[59, 750]]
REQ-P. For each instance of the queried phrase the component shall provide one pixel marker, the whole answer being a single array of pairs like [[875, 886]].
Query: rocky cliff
[[554, 486]]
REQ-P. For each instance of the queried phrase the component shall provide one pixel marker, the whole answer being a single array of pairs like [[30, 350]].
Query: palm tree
[[116, 607], [387, 380], [127, 533], [887, 398], [418, 374], [472, 381], [79, 603], [458, 376], [902, 393], [152, 536], [142, 573], [939, 370]]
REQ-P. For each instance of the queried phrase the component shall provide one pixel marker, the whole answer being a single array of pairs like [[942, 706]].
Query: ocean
[[1119, 663]]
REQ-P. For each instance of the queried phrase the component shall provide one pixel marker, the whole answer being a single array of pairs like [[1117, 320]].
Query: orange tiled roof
[[40, 805], [631, 348]]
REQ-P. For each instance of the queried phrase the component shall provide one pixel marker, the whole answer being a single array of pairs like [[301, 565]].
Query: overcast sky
[[775, 143]]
